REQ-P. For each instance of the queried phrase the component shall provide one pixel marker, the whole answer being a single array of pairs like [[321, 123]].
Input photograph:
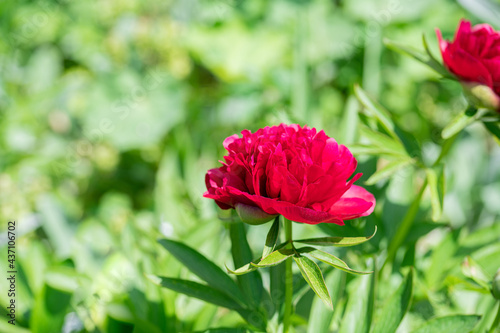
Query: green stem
[[496, 322], [448, 143], [288, 280], [405, 226]]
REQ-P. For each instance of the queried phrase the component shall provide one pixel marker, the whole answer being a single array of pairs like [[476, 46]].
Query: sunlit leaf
[[272, 238], [395, 307], [449, 324], [377, 111], [461, 121], [383, 141], [472, 270], [274, 258], [329, 259], [336, 241], [312, 274], [202, 267], [419, 55], [388, 170], [196, 290], [435, 179], [251, 284]]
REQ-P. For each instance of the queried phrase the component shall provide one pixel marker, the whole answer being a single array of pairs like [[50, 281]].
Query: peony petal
[[355, 202], [288, 210]]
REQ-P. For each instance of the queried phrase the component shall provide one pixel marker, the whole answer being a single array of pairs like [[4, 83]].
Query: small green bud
[[481, 96], [253, 215]]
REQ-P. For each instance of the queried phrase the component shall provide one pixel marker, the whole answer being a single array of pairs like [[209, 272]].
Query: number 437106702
[[11, 236]]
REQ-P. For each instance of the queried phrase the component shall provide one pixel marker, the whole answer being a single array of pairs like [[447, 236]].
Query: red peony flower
[[474, 57], [290, 170]]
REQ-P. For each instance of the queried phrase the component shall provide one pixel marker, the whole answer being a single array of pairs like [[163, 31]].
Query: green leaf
[[244, 269], [361, 149], [196, 290], [272, 238], [251, 284], [336, 241], [320, 316], [329, 259], [493, 128], [461, 121], [383, 141], [312, 274], [349, 122], [202, 267], [472, 270], [388, 170], [395, 307], [274, 258], [359, 309], [376, 111], [426, 59], [449, 324], [435, 179]]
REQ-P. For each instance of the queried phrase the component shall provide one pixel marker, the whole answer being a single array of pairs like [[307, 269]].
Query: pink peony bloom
[[474, 57], [290, 170]]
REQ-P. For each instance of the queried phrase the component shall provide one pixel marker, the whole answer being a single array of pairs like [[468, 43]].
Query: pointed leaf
[[320, 316], [472, 270], [449, 324], [461, 121], [274, 258], [493, 128], [336, 241], [383, 141], [376, 111], [312, 274], [359, 309], [202, 267], [329, 259], [244, 269], [196, 290], [395, 308], [388, 170], [418, 55], [435, 179], [272, 238], [251, 284], [362, 149]]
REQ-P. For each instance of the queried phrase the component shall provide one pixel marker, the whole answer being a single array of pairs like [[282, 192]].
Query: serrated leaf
[[312, 274], [251, 284], [376, 111], [388, 170], [424, 58], [272, 237], [329, 259], [395, 308], [383, 141], [196, 290], [274, 258], [449, 324], [435, 180], [461, 121], [202, 267], [336, 241]]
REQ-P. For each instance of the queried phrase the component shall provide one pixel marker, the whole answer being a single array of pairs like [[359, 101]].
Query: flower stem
[[288, 280], [496, 322]]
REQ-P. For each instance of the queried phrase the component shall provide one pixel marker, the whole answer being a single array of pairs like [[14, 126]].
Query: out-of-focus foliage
[[112, 111]]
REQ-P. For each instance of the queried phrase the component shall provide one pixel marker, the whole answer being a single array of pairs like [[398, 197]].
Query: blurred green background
[[112, 111]]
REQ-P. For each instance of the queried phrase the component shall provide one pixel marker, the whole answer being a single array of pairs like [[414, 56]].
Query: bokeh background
[[112, 111]]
